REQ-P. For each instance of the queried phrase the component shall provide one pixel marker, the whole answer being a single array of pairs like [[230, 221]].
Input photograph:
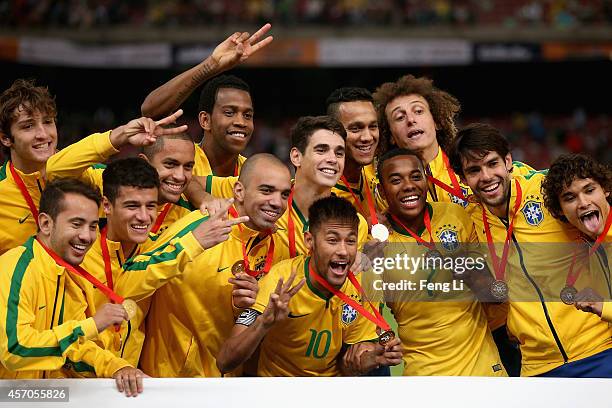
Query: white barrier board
[[389, 392]]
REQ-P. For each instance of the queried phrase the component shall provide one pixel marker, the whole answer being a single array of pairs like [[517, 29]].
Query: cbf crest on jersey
[[457, 200], [348, 314], [448, 237], [532, 211]]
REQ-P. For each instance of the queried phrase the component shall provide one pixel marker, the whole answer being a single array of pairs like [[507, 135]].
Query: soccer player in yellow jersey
[[555, 338], [43, 328], [225, 108], [443, 332], [578, 190], [413, 114], [307, 330], [124, 257], [354, 108], [185, 328]]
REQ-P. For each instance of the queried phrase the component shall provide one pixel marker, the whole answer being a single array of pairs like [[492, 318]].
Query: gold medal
[[238, 267], [385, 337], [568, 295], [130, 308], [499, 290]]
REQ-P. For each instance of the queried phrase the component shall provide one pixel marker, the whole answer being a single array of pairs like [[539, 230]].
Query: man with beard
[[307, 329], [555, 339], [186, 329]]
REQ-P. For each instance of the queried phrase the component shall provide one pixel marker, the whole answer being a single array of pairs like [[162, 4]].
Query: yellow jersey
[[310, 340], [540, 254], [43, 327], [135, 276], [202, 165], [184, 329], [442, 326]]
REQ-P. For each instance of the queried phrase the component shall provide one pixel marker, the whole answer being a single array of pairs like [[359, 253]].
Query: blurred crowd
[[537, 139], [411, 13]]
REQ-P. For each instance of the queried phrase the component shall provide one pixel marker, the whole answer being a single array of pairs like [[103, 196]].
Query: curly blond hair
[[443, 106]]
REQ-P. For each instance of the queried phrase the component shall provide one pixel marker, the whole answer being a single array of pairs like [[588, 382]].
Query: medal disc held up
[[130, 308], [380, 232], [385, 337], [499, 290], [568, 295], [238, 267]]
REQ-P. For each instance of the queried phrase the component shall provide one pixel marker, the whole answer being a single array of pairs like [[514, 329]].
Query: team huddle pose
[[190, 260]]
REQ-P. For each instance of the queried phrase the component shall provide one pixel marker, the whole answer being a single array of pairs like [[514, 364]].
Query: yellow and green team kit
[[202, 166], [442, 332], [151, 265], [192, 315], [43, 329], [223, 187], [550, 332], [310, 340], [17, 223]]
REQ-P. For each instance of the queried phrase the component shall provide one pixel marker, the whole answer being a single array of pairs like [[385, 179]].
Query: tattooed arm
[[236, 49]]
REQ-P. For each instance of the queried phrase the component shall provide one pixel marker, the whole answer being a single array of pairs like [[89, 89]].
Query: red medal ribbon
[[602, 236], [571, 277], [368, 194], [106, 257], [108, 271], [456, 188], [427, 221], [24, 192], [500, 266], [82, 272], [291, 226], [375, 318], [161, 217], [269, 255]]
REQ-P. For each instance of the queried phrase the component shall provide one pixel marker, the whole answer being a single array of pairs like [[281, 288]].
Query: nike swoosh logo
[[291, 315], [22, 220], [222, 269], [42, 307]]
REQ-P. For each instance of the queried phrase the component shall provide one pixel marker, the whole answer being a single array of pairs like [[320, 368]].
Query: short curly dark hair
[[443, 106], [208, 96], [567, 168]]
